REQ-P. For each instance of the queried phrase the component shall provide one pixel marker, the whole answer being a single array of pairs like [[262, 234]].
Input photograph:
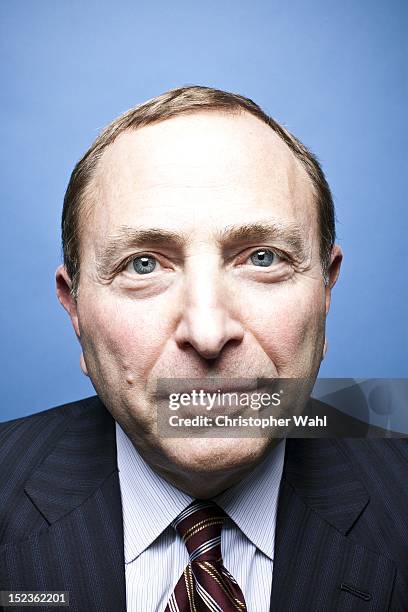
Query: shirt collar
[[252, 503], [150, 503]]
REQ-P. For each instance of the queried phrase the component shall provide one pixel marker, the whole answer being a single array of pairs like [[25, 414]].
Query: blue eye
[[144, 264], [263, 257]]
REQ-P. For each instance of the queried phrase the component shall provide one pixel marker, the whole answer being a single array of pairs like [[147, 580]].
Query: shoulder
[[25, 441], [380, 463], [375, 462], [16, 427], [372, 469]]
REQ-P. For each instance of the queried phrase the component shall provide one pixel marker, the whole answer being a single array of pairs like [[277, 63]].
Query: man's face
[[199, 258]]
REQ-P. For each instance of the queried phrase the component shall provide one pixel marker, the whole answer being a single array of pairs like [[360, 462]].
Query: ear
[[68, 301], [65, 297], [333, 274], [336, 258]]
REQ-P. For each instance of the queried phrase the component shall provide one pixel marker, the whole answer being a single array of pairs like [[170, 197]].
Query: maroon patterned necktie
[[205, 583]]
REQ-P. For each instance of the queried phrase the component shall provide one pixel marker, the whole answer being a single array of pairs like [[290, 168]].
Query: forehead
[[197, 173]]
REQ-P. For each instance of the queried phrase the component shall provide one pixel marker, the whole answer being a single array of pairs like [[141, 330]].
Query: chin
[[211, 455]]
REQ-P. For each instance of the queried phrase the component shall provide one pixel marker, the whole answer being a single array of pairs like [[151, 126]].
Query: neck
[[205, 468]]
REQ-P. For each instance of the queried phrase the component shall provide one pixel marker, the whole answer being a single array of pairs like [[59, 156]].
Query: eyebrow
[[287, 234], [127, 238]]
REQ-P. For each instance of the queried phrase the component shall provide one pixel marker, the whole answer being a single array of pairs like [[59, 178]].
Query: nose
[[207, 322]]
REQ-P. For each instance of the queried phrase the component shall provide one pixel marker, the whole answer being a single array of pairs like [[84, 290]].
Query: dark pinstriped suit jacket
[[341, 535]]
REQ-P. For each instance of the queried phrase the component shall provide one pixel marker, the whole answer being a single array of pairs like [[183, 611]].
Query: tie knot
[[200, 526]]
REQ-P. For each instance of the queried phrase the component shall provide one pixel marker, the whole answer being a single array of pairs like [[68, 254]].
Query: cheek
[[123, 336], [288, 325]]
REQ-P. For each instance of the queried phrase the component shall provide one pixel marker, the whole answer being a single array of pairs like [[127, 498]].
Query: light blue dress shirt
[[155, 556]]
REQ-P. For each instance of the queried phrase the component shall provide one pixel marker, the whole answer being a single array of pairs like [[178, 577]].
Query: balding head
[[174, 103]]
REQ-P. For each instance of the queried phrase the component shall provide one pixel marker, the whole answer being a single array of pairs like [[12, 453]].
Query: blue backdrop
[[333, 72]]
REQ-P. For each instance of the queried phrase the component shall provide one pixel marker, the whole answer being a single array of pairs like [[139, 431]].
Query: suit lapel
[[316, 567], [76, 489]]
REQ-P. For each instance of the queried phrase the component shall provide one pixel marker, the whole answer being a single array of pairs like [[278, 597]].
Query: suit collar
[[322, 475], [83, 456]]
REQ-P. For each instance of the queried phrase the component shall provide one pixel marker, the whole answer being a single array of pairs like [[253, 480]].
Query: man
[[198, 241]]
